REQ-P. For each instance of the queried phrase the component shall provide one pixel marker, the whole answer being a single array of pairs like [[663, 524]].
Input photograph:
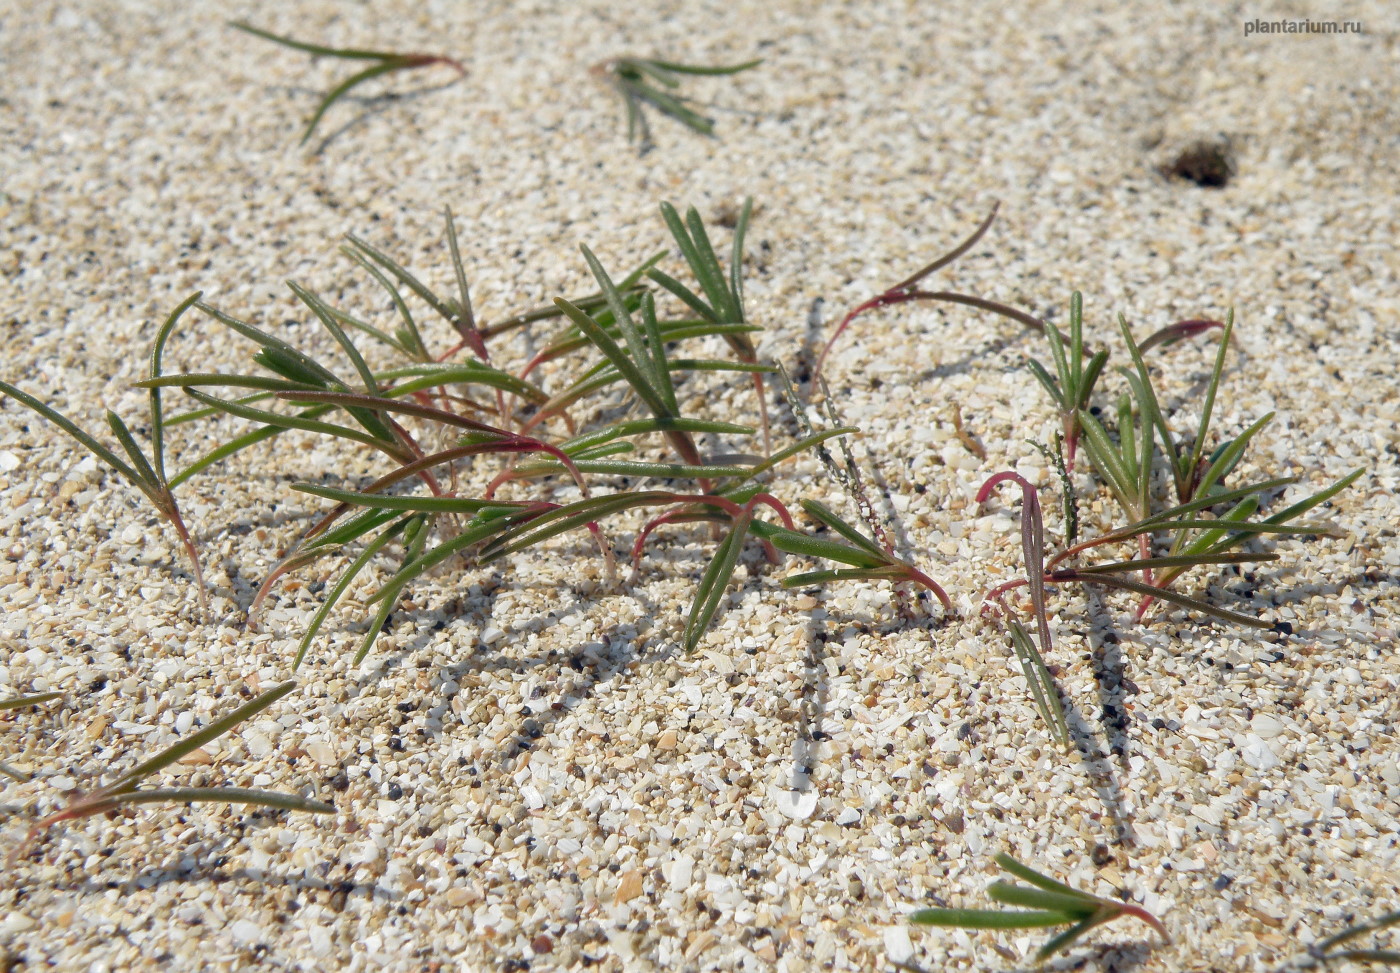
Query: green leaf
[[138, 459], [1048, 383], [1073, 903], [1227, 458], [408, 338], [157, 355], [636, 468], [1212, 387], [343, 584], [71, 428], [1043, 690], [988, 918], [464, 297], [805, 545], [221, 795], [380, 501], [1107, 462], [194, 741], [445, 310], [300, 422], [704, 68], [372, 403], [16, 702], [415, 539], [1165, 594], [1175, 561], [634, 374], [278, 355], [327, 317], [316, 49], [431, 375], [715, 580], [655, 375], [1322, 496], [1067, 938]]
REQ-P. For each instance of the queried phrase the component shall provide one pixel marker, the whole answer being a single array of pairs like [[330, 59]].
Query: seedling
[[1032, 659], [909, 290], [1076, 377], [397, 412], [1192, 532], [385, 62], [647, 81], [1077, 371], [147, 475], [1044, 903], [124, 792]]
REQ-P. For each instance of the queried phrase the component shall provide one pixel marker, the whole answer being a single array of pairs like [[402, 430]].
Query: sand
[[528, 771]]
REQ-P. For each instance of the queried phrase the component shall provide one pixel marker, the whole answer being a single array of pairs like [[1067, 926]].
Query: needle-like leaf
[[628, 76], [1048, 903], [388, 61]]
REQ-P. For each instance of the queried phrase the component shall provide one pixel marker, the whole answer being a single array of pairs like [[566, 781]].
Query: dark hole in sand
[[1209, 164]]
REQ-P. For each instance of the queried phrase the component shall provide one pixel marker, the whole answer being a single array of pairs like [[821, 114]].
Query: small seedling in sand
[[385, 62], [1202, 528], [147, 475], [493, 413], [647, 81], [909, 290], [1207, 520], [124, 792], [1044, 903]]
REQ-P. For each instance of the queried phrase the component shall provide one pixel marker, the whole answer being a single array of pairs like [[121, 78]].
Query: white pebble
[[1266, 726], [682, 871], [257, 744], [246, 932], [1256, 752], [898, 948], [16, 922], [797, 805]]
